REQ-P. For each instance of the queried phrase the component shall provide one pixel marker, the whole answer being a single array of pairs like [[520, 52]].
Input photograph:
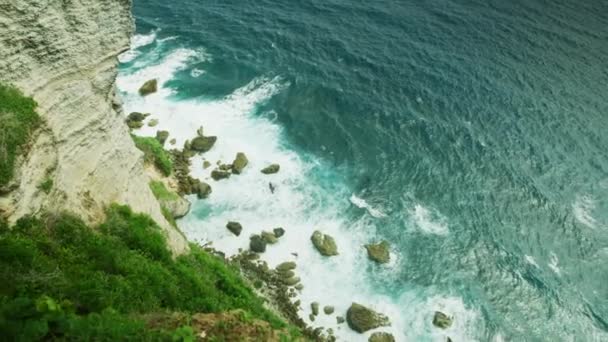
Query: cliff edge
[[64, 55]]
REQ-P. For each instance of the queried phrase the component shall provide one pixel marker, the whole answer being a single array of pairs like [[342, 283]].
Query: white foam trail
[[429, 221], [530, 260], [297, 204], [137, 41], [361, 203], [582, 208], [553, 264]]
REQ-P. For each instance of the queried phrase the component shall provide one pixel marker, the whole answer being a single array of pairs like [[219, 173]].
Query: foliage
[[18, 118], [154, 153], [161, 192], [46, 185], [62, 279]]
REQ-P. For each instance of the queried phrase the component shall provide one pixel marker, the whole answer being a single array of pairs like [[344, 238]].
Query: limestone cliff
[[63, 53]]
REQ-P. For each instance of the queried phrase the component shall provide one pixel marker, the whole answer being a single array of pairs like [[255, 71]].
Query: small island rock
[[270, 169], [441, 320], [379, 252], [239, 163], [148, 87], [325, 244], [234, 227], [257, 244], [362, 319]]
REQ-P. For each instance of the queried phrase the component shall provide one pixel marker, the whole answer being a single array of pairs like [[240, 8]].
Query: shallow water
[[469, 134]]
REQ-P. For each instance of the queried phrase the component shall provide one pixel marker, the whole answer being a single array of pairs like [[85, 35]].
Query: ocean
[[471, 135]]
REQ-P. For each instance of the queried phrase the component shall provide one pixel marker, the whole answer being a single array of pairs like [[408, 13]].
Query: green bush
[[161, 192], [97, 281], [18, 118], [154, 153], [46, 185]]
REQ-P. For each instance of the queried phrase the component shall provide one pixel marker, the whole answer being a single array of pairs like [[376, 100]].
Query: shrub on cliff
[[154, 153], [63, 280], [18, 118]]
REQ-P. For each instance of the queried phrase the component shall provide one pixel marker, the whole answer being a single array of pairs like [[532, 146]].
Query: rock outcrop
[[379, 252], [381, 337], [270, 169], [362, 319], [325, 244], [64, 55], [441, 320], [239, 163]]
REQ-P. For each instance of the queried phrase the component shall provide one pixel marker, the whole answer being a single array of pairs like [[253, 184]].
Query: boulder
[[328, 310], [225, 167], [202, 190], [135, 124], [286, 266], [270, 169], [379, 252], [149, 87], [314, 306], [206, 164], [441, 320], [219, 174], [291, 281], [278, 232], [177, 207], [287, 274], [299, 287], [173, 141], [340, 319], [239, 163], [162, 136], [269, 238], [137, 116], [362, 319], [325, 244], [202, 144], [153, 123], [381, 337], [257, 244], [235, 228]]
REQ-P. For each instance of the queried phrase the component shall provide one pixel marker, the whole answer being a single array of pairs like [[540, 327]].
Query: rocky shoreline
[[279, 286]]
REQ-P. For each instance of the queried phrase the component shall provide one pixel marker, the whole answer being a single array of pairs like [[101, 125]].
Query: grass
[[46, 185], [60, 279], [18, 118], [161, 192], [154, 153]]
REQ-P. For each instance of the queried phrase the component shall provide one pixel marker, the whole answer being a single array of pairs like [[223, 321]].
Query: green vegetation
[[18, 118], [154, 153], [60, 279], [161, 192], [46, 185]]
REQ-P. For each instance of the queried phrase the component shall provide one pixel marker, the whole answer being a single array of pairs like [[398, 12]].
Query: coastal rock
[[270, 169], [206, 164], [278, 232], [362, 319], [219, 175], [340, 319], [137, 116], [135, 124], [153, 123], [381, 337], [314, 306], [328, 310], [257, 244], [225, 167], [299, 287], [239, 163], [177, 207], [441, 320], [287, 274], [379, 252], [202, 190], [173, 141], [235, 228], [202, 144], [162, 136], [148, 87], [286, 266], [291, 281], [325, 244], [269, 237]]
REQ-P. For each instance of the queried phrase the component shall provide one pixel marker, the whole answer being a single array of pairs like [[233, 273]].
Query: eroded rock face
[[65, 57], [362, 319], [325, 244], [379, 252]]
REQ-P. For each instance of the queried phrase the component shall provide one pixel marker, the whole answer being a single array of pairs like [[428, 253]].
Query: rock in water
[[328, 310], [177, 207], [270, 169], [325, 244], [202, 144], [278, 232], [172, 141], [162, 136], [219, 174], [381, 337], [153, 123], [269, 238], [362, 319], [286, 266], [206, 164], [257, 244], [340, 319], [379, 252], [314, 306], [235, 228], [137, 116], [441, 320], [239, 163], [202, 190], [148, 88]]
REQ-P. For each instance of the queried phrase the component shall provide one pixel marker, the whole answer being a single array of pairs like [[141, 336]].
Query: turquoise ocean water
[[472, 135]]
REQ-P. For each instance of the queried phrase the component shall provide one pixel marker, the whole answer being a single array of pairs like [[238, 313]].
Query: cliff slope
[[63, 54]]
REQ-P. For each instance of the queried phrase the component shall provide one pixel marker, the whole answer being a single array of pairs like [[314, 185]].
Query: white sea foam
[[429, 221], [297, 204], [137, 41], [530, 260], [361, 203], [554, 260], [582, 209]]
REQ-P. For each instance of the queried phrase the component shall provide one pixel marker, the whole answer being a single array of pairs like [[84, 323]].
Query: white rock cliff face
[[63, 53]]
